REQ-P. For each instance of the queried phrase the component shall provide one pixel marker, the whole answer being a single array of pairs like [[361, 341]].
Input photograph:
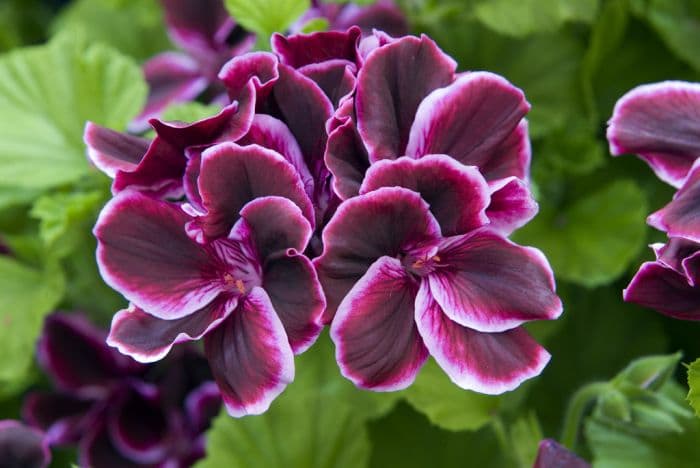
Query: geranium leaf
[[267, 16], [694, 384]]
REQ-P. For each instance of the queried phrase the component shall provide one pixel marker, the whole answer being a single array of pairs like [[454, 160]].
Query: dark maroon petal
[[469, 120], [457, 195], [661, 123], [377, 343], [663, 289], [512, 205], [172, 77], [691, 268], [553, 455], [490, 363], [511, 158], [148, 339], [231, 175], [299, 50], [73, 352], [490, 284], [335, 77], [383, 15], [250, 356], [347, 159], [272, 133], [197, 25], [676, 252], [386, 221], [681, 217], [112, 151], [161, 169], [144, 253], [290, 230], [296, 294], [97, 450], [62, 417], [391, 85], [202, 406], [22, 446], [249, 79]]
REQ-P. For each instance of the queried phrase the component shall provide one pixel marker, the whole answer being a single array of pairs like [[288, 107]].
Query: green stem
[[577, 408]]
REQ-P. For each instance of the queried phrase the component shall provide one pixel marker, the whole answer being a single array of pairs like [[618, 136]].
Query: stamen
[[240, 286]]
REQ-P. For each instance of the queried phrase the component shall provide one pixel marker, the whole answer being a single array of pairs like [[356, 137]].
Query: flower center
[[240, 270], [421, 261]]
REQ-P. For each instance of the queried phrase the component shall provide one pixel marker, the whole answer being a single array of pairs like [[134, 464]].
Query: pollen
[[240, 286]]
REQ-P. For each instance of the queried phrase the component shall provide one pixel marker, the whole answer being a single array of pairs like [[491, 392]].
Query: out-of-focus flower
[[553, 455], [117, 411], [22, 446]]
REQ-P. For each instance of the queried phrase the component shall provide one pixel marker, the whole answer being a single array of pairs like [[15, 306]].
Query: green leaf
[[26, 296], [648, 372], [265, 17], [694, 384], [189, 112], [319, 421], [592, 241], [445, 404], [46, 95], [133, 27], [525, 436]]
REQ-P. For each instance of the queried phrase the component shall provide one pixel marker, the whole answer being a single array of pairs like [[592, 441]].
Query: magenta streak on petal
[[512, 205], [391, 85], [299, 50], [250, 356], [676, 252], [681, 217], [490, 284], [663, 289], [377, 343], [112, 151], [468, 120], [490, 363], [144, 253], [346, 158], [457, 195], [661, 123]]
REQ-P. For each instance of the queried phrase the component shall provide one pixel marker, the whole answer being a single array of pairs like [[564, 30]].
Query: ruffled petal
[[148, 339], [391, 85], [63, 417], [203, 405], [347, 159], [250, 356], [490, 363], [470, 120], [144, 253], [457, 195], [661, 123], [249, 79], [512, 205], [386, 221], [197, 25], [96, 449], [511, 158], [489, 284], [335, 77], [112, 151], [665, 290], [383, 15], [295, 292], [231, 175], [22, 446], [160, 170], [681, 217], [377, 343], [299, 50]]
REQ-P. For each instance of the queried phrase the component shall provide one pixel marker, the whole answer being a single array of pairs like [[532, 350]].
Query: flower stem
[[577, 408]]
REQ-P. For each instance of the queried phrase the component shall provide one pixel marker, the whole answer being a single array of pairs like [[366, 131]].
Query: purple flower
[[383, 15], [553, 455], [398, 290], [660, 122], [22, 446], [119, 412], [252, 295]]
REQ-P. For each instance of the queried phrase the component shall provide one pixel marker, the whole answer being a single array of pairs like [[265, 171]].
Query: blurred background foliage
[[573, 58]]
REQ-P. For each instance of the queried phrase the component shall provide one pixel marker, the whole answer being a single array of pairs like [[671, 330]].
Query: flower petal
[[383, 15], [365, 228], [390, 86], [112, 151], [22, 446], [512, 205], [144, 253], [197, 25], [377, 343], [457, 195], [160, 169], [490, 363], [250, 356], [469, 120], [552, 455], [249, 79], [231, 175], [148, 339], [665, 290], [203, 405], [511, 158], [490, 284], [661, 123], [299, 50], [681, 217], [335, 77], [295, 292], [347, 159], [97, 449], [63, 417]]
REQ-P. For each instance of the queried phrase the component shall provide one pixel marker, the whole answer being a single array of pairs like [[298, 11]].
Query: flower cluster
[[661, 123], [398, 176], [208, 37], [22, 446], [117, 411]]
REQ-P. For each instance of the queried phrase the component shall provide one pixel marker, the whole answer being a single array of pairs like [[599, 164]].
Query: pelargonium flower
[[553, 455], [659, 122], [252, 295], [22, 446], [117, 411], [383, 15], [398, 291]]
